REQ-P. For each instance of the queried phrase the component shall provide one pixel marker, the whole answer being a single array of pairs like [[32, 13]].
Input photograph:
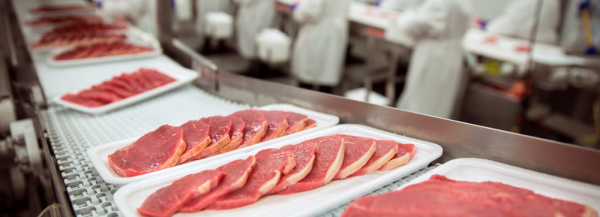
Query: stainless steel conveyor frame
[[459, 140]]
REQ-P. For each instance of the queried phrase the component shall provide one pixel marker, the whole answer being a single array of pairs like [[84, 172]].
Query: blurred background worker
[[141, 13], [519, 19], [436, 29], [399, 5], [253, 16], [204, 7], [320, 48]]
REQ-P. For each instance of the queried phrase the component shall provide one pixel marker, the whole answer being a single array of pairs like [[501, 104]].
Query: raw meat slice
[[441, 196], [108, 87], [237, 135], [357, 152], [265, 153], [278, 123], [304, 155], [236, 175], [219, 133], [297, 122], [100, 95], [154, 151], [256, 126], [310, 124], [328, 160], [118, 82], [166, 201], [263, 178], [196, 137], [82, 101], [158, 78], [386, 149], [130, 80], [145, 83], [406, 152]]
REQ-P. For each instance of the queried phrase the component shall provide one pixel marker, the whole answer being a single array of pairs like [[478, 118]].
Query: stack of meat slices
[[102, 50], [440, 196], [85, 28], [62, 8], [199, 138], [80, 39], [119, 87], [287, 170], [64, 20]]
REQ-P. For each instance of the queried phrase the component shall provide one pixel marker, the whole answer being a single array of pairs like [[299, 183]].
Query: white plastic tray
[[99, 154], [307, 203], [182, 76], [50, 58], [480, 170]]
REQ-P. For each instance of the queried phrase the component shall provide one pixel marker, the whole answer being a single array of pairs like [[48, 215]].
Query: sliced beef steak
[[166, 201], [82, 101], [236, 175], [263, 178], [444, 197], [256, 126], [386, 149], [197, 137], [357, 152], [108, 87], [310, 124], [297, 122], [99, 95], [237, 135], [154, 151], [278, 123], [219, 133], [328, 160], [406, 152], [304, 155]]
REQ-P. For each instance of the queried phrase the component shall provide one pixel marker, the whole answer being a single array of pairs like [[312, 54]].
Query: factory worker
[[399, 5], [203, 7], [519, 19], [253, 16], [320, 47], [436, 29], [141, 13]]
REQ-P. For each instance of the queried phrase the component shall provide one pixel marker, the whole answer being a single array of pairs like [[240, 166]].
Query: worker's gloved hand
[[480, 23]]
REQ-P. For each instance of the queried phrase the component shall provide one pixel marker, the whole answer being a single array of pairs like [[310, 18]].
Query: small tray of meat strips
[[479, 187], [102, 52], [225, 135], [123, 89], [300, 176]]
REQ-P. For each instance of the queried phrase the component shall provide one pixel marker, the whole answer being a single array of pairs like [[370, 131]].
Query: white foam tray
[[182, 76], [481, 170], [55, 52], [308, 203], [99, 154]]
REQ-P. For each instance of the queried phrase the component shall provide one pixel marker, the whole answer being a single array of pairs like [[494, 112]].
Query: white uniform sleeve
[[308, 11]]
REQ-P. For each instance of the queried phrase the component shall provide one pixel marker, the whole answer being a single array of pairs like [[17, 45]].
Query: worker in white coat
[[253, 16], [436, 29], [519, 19], [141, 13], [203, 7], [320, 47]]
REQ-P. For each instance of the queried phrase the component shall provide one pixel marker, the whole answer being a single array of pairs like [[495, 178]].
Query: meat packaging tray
[[481, 170], [182, 76], [307, 203], [157, 50], [99, 154]]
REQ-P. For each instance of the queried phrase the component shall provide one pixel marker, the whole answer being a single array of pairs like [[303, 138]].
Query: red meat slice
[[99, 95], [310, 124], [297, 122], [82, 101], [304, 155], [441, 196], [236, 175], [237, 135], [386, 149], [166, 201], [154, 151], [357, 152], [158, 78], [142, 81], [265, 153], [278, 123], [220, 127], [263, 178], [108, 87], [406, 152], [328, 160], [196, 137], [131, 81], [256, 126], [118, 82]]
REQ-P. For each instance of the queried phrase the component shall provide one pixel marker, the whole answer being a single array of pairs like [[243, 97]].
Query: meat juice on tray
[[119, 87], [287, 170]]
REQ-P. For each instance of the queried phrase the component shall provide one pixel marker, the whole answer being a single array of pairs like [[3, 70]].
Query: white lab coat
[[400, 5], [435, 71], [203, 7], [141, 12], [319, 50], [253, 17], [519, 18]]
